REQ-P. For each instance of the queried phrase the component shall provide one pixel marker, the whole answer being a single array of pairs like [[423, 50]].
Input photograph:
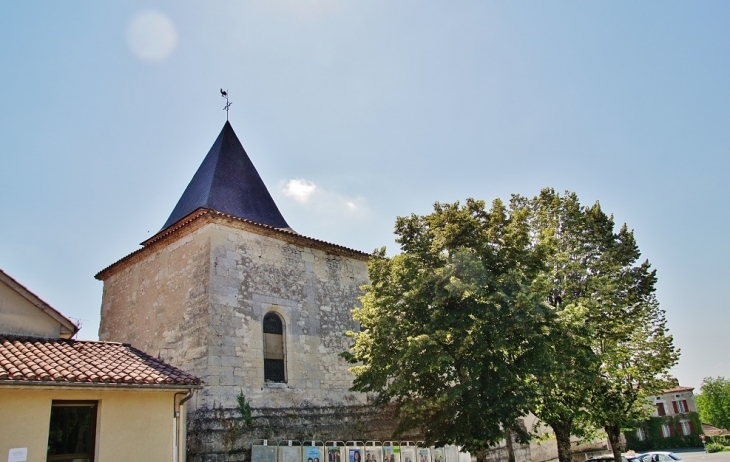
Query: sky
[[356, 112]]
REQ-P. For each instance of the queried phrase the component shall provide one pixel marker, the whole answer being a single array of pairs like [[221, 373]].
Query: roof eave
[[55, 384], [284, 233]]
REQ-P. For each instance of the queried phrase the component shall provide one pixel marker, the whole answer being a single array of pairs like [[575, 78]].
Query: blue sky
[[355, 112]]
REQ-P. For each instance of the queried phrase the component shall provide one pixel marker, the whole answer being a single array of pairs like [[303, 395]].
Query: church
[[230, 293]]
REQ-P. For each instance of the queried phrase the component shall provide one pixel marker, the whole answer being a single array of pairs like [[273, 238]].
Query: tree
[[541, 306], [574, 239], [613, 349], [635, 364], [713, 402], [453, 329]]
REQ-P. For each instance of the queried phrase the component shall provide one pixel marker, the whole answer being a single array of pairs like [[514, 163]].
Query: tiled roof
[[678, 389], [711, 430], [82, 362], [228, 182]]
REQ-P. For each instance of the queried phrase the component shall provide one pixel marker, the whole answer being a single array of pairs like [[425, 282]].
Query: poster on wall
[[373, 454], [438, 454], [312, 454], [334, 454], [391, 453], [424, 455], [354, 455]]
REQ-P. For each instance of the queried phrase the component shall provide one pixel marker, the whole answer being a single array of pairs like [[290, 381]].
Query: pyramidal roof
[[228, 182]]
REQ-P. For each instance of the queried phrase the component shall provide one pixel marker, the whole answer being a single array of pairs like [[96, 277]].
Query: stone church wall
[[159, 303], [311, 290], [199, 301]]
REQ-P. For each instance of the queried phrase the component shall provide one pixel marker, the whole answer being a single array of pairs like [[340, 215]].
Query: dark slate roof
[[83, 362], [228, 182]]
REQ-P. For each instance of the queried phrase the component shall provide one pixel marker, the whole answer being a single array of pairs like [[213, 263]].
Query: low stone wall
[[222, 435]]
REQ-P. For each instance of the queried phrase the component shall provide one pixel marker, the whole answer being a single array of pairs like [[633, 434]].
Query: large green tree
[[612, 349], [454, 328], [539, 306], [713, 402]]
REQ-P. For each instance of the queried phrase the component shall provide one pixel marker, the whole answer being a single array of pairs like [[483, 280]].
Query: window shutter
[[691, 428], [660, 409], [676, 408], [671, 427], [686, 408]]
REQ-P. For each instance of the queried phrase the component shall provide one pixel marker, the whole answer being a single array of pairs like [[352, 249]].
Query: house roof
[[711, 430], [678, 389], [37, 361], [228, 182], [68, 328]]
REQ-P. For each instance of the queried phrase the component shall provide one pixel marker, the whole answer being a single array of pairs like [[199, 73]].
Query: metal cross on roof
[[224, 94]]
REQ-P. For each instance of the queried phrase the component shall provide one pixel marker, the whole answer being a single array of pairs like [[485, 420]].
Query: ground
[[698, 455]]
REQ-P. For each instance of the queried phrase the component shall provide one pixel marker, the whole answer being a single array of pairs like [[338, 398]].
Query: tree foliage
[[614, 349], [536, 306], [713, 402], [453, 328]]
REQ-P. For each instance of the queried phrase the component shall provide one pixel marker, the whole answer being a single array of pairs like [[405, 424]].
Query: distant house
[[674, 422], [64, 399]]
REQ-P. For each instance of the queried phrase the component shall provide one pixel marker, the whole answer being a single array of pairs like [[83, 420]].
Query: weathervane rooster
[[224, 94]]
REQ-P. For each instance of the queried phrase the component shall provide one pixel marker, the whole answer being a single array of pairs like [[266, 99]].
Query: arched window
[[274, 365]]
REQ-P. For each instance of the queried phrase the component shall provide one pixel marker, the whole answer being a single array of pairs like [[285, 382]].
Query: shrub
[[714, 447]]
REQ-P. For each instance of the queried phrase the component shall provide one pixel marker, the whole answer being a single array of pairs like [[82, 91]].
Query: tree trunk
[[510, 448], [614, 437], [562, 435]]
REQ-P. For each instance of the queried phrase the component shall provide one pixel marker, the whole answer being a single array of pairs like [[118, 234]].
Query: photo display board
[[408, 454], [437, 455], [261, 453], [312, 453], [391, 453], [451, 453], [334, 454], [373, 453], [424, 455], [290, 453]]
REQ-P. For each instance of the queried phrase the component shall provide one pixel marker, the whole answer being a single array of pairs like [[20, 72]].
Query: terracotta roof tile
[[678, 389], [64, 361]]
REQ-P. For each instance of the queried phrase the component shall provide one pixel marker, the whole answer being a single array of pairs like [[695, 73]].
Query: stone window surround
[[277, 311]]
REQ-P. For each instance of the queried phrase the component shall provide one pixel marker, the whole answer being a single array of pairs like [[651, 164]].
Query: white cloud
[[325, 203], [300, 190]]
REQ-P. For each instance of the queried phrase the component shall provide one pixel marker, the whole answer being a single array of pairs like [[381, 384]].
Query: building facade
[[229, 292], [674, 422], [65, 399]]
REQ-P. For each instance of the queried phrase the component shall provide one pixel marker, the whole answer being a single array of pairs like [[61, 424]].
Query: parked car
[[609, 457], [658, 456]]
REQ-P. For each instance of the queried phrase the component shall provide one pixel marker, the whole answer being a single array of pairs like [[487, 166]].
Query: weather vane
[[224, 94]]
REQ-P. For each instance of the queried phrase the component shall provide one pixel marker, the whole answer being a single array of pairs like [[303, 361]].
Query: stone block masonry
[[197, 298], [214, 436]]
